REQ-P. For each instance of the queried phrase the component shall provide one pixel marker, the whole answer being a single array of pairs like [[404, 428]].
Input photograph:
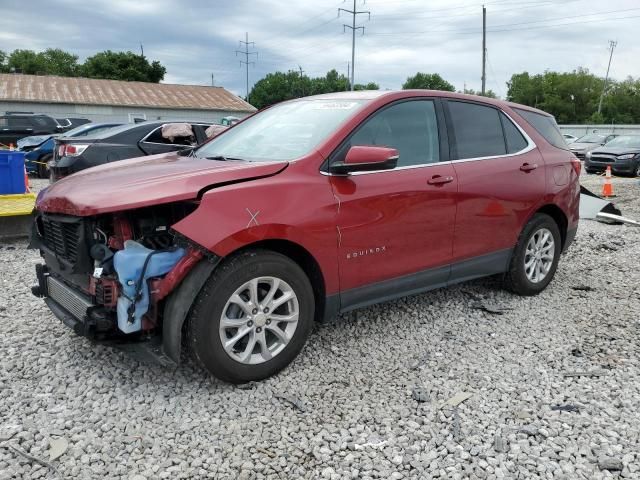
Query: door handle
[[439, 180], [527, 167]]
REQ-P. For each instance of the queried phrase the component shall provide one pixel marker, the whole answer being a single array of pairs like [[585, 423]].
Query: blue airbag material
[[128, 264]]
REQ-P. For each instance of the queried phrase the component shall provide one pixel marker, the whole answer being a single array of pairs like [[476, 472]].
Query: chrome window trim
[[530, 146], [406, 167]]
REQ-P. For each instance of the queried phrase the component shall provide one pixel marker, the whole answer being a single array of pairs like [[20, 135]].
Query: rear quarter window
[[546, 126]]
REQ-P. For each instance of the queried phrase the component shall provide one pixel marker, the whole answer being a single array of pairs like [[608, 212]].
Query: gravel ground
[[554, 384]]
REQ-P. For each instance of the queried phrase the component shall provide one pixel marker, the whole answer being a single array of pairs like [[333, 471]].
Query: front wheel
[[252, 317], [535, 258]]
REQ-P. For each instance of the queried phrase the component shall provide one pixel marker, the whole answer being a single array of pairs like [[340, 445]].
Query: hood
[[580, 147], [614, 150], [145, 181], [32, 141]]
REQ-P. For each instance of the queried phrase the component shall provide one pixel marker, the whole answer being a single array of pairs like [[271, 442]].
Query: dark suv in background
[[14, 126]]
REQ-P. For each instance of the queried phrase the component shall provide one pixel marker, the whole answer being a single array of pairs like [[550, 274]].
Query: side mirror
[[185, 152], [366, 158]]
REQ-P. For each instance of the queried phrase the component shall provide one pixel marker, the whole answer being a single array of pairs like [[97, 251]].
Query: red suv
[[308, 209]]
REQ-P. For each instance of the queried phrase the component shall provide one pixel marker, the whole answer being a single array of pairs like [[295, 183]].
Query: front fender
[[296, 208]]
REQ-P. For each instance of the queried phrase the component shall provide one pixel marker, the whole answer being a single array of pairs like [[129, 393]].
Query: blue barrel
[[11, 172]]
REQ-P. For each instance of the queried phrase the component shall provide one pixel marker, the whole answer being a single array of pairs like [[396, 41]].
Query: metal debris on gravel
[[125, 420]]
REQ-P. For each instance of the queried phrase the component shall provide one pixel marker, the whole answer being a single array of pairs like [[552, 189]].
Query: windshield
[[630, 141], [591, 139], [285, 132]]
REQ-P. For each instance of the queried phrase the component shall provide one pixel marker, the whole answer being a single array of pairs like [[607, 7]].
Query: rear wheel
[[252, 317], [535, 258], [43, 168]]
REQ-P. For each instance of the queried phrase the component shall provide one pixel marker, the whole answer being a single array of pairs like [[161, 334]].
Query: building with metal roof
[[115, 100]]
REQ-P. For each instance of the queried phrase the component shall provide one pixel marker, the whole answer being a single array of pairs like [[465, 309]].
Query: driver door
[[395, 227]]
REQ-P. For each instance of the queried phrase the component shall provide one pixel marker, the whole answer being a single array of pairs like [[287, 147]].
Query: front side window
[[477, 130], [410, 127], [286, 131]]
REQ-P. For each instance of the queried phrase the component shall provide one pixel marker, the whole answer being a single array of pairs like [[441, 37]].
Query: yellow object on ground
[[20, 204]]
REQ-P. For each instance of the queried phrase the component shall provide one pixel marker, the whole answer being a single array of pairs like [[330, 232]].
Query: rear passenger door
[[501, 180]]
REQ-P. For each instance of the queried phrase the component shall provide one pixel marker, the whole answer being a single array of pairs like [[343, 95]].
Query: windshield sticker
[[335, 106]]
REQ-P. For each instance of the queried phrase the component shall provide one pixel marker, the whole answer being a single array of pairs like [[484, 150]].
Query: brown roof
[[89, 91]]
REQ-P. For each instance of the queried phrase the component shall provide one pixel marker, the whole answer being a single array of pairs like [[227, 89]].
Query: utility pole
[[484, 49], [301, 84], [348, 72], [212, 82], [141, 50], [612, 45], [246, 61], [354, 13]]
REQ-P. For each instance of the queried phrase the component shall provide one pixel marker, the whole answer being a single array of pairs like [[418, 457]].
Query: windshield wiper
[[221, 158]]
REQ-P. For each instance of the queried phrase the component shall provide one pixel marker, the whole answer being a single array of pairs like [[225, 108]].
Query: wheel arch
[[180, 301], [558, 216]]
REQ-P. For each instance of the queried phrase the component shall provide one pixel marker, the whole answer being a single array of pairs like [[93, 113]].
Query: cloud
[[198, 38]]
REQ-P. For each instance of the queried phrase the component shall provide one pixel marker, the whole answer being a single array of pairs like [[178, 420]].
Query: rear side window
[[515, 140], [410, 127], [477, 130], [546, 126]]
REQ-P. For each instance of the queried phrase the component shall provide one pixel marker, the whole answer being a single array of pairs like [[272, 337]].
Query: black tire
[[516, 279], [43, 170], [203, 330]]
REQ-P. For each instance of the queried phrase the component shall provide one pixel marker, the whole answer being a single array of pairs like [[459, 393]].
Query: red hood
[[144, 181]]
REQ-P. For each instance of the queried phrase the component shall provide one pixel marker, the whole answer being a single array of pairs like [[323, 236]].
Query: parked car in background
[[14, 126], [71, 155], [229, 121], [39, 149], [69, 123], [622, 154], [586, 143], [307, 209], [569, 138]]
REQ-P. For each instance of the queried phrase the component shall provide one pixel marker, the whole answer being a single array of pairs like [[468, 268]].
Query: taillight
[[577, 165], [70, 150]]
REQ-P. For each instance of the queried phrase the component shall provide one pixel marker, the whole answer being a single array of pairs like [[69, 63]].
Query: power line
[[612, 46], [497, 28], [246, 61], [354, 13]]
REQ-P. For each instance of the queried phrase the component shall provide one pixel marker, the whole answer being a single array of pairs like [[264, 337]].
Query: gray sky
[[196, 38]]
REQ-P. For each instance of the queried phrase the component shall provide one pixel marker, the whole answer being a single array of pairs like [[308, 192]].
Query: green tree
[[4, 68], [429, 81], [367, 86], [27, 62], [487, 93], [59, 62], [279, 86], [122, 66]]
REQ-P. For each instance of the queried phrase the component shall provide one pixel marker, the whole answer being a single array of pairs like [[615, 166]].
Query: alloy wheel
[[539, 255], [259, 320]]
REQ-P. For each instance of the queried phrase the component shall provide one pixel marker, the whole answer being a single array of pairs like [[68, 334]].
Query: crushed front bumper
[[75, 309]]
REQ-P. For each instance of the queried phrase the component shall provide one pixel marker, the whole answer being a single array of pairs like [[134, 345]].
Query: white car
[[569, 138]]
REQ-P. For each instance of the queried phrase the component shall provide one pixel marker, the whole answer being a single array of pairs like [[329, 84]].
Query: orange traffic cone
[[607, 187]]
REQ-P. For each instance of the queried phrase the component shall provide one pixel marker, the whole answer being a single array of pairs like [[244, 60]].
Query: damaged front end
[[107, 276]]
